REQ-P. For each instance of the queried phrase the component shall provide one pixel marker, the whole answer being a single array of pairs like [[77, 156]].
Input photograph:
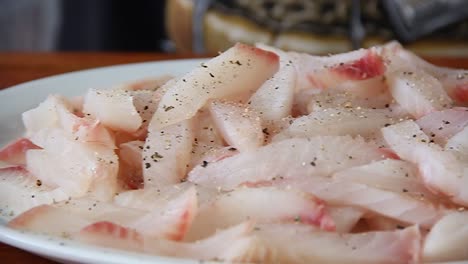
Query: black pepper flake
[[232, 149], [446, 122], [204, 164], [405, 190], [212, 76], [313, 163], [147, 165], [184, 80], [204, 65], [400, 227], [265, 131], [156, 156], [386, 125], [387, 105], [167, 108], [145, 108], [238, 63], [38, 182]]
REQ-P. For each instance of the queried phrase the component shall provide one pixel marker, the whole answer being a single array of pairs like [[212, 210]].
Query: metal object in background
[[412, 19], [357, 31], [200, 8], [29, 25]]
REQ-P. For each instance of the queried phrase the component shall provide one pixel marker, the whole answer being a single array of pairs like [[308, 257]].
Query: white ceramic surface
[[17, 99]]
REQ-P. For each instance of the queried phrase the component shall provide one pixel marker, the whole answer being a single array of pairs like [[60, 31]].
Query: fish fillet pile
[[257, 155]]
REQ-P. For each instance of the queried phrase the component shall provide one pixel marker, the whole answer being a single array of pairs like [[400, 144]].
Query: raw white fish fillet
[[345, 217], [169, 221], [114, 108], [239, 125], [149, 198], [459, 144], [20, 191], [447, 239], [59, 113], [322, 155], [440, 126], [339, 122], [230, 245], [299, 244], [454, 81], [394, 205], [240, 69], [131, 164], [244, 204], [416, 91], [77, 168], [208, 143], [273, 100], [392, 175], [166, 153], [440, 170], [349, 97]]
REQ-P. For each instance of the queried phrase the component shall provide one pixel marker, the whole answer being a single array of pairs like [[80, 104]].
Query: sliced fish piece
[[283, 159], [416, 91], [239, 125], [340, 122], [447, 239], [273, 100], [440, 170], [442, 125], [392, 175], [231, 244], [299, 244], [167, 154], [20, 191], [240, 69], [113, 108], [244, 204]]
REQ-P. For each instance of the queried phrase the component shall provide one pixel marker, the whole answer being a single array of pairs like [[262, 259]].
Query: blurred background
[[430, 27]]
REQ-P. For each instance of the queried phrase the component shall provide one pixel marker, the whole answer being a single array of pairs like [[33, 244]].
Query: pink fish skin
[[15, 152]]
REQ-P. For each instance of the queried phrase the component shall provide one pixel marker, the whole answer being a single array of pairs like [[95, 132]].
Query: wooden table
[[20, 67]]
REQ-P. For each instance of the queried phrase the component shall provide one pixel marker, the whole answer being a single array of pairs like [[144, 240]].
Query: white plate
[[19, 98]]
